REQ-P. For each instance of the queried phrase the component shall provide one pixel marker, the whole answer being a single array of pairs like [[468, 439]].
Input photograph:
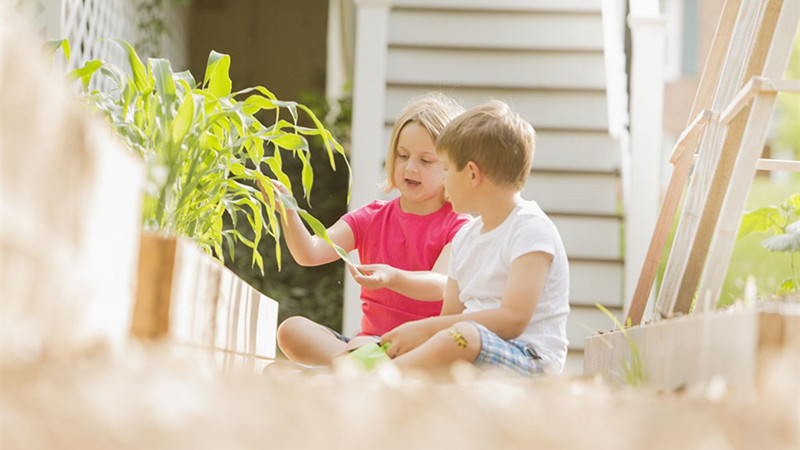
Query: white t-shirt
[[480, 264]]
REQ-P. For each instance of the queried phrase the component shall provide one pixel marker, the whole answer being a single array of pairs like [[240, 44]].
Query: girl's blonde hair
[[433, 111]]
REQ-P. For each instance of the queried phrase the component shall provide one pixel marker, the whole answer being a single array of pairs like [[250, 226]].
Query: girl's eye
[[424, 161], [402, 156]]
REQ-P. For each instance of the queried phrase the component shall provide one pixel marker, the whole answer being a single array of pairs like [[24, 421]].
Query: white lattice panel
[[86, 22]]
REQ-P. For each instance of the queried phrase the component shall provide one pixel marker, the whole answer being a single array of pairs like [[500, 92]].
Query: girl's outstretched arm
[[307, 249], [427, 285]]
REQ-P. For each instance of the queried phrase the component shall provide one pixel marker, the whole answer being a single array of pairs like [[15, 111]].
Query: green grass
[[749, 257]]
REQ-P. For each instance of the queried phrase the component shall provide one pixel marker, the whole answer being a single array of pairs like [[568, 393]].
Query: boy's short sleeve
[[535, 234]]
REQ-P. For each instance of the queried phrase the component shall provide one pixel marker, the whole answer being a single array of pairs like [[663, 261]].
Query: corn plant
[[784, 222], [204, 147]]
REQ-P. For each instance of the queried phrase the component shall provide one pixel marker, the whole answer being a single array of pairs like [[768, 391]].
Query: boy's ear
[[474, 173]]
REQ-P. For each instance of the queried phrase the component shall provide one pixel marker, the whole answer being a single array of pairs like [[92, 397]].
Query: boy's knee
[[463, 335]]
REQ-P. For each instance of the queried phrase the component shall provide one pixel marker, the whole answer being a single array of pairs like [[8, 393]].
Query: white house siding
[[545, 58]]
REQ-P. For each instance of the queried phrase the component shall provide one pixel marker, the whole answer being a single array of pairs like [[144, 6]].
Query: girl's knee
[[290, 329]]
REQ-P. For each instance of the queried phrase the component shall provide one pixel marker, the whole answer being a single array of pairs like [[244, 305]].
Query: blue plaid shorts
[[515, 355]]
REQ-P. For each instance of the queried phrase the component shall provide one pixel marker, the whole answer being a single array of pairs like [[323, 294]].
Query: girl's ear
[[474, 172]]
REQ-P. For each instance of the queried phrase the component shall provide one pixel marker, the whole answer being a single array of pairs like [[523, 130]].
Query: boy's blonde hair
[[433, 111], [495, 138]]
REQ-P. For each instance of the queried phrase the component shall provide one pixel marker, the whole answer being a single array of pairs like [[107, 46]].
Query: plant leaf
[[85, 73], [760, 220], [51, 46], [788, 242], [140, 78], [164, 83], [184, 118], [289, 141], [217, 74]]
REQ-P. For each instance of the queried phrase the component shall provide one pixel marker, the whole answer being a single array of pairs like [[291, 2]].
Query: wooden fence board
[[191, 299]]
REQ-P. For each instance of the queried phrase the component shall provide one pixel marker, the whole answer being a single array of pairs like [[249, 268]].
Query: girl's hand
[[407, 337], [278, 186], [373, 276]]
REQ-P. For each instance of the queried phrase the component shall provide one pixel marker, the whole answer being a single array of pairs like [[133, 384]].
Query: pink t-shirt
[[385, 234]]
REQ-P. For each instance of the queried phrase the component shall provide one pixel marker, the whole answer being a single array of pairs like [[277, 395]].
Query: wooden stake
[[711, 175], [783, 22], [702, 101]]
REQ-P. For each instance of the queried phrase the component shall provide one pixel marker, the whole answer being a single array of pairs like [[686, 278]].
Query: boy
[[506, 298]]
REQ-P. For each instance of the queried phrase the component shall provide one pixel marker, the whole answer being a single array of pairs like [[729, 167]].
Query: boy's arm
[[307, 249], [426, 285], [452, 305], [526, 279]]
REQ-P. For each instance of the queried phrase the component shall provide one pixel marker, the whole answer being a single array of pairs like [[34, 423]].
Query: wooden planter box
[[192, 300], [686, 351]]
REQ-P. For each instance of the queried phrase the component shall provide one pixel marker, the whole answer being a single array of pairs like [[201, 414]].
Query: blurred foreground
[[155, 399]]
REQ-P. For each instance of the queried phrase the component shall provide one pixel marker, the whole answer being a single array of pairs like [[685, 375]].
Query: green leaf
[[289, 141], [51, 46], [186, 79], [217, 74], [787, 286], [307, 177], [184, 118], [85, 73], [164, 83], [760, 220], [794, 202], [256, 103], [319, 230], [140, 78]]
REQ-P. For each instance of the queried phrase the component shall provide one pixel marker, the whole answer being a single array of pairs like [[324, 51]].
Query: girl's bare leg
[[307, 342]]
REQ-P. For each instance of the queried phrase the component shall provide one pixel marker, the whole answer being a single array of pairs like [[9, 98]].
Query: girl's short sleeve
[[359, 220]]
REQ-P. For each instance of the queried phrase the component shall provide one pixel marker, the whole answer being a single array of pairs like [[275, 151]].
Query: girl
[[403, 243]]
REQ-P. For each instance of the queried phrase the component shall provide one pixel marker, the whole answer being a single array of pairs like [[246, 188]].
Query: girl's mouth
[[412, 182]]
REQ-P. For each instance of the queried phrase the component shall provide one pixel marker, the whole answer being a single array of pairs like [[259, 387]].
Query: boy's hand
[[407, 337], [373, 276]]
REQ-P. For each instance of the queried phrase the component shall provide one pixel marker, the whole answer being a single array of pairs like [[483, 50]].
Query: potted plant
[[204, 146]]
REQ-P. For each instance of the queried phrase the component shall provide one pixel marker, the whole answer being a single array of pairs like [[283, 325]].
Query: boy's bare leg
[[461, 342], [307, 342]]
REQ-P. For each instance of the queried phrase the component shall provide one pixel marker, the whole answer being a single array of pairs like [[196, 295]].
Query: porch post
[[646, 124], [367, 149]]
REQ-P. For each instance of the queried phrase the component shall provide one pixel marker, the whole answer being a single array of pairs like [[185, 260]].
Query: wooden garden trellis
[[723, 141]]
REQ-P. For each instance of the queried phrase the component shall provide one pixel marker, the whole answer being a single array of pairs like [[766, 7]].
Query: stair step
[[533, 30], [573, 6], [496, 68], [545, 109]]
